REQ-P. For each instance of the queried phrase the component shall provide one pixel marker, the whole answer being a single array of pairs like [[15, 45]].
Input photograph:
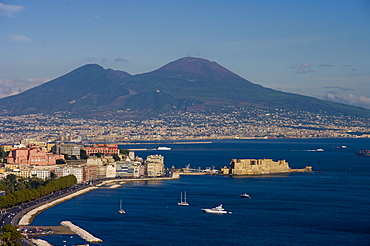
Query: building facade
[[105, 149], [154, 165], [32, 156]]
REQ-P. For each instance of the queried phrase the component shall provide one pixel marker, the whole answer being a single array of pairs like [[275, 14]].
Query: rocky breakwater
[[260, 167], [81, 232]]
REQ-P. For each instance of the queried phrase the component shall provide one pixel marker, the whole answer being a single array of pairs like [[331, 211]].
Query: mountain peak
[[197, 66]]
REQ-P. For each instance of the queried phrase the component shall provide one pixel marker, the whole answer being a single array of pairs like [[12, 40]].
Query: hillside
[[187, 84]]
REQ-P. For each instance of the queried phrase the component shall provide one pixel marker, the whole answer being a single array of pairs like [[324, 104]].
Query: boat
[[216, 210], [183, 203], [363, 152], [163, 148], [245, 195], [121, 211], [319, 149]]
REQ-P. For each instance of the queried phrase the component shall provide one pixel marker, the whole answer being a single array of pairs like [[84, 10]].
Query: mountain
[[187, 84]]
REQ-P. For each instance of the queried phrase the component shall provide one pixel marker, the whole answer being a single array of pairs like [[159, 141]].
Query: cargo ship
[[364, 152]]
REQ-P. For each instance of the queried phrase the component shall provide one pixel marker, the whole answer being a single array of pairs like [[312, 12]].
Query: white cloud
[[19, 38], [360, 101], [10, 10], [10, 87]]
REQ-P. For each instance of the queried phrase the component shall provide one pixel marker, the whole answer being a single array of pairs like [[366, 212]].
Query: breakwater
[[81, 232]]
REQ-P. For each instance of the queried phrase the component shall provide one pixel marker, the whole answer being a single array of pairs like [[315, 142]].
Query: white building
[[65, 171]]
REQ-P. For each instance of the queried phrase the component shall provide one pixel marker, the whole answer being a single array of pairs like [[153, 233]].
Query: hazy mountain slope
[[187, 84]]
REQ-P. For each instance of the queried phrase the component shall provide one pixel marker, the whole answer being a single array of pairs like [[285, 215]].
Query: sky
[[318, 48]]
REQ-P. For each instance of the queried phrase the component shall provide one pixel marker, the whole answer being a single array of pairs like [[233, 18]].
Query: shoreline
[[29, 216]]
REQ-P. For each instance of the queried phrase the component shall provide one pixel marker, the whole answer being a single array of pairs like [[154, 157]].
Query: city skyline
[[318, 49]]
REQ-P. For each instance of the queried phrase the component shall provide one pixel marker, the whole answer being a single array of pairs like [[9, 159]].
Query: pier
[[81, 232]]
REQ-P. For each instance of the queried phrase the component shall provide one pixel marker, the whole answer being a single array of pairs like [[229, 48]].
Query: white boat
[[245, 195], [183, 203], [216, 210], [121, 211], [163, 148], [319, 149]]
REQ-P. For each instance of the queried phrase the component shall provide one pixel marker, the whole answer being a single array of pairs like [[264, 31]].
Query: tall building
[[154, 165]]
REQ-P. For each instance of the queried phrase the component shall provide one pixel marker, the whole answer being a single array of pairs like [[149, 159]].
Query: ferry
[[163, 148], [364, 152]]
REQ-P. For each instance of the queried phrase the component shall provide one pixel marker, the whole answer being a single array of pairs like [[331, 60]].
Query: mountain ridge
[[186, 84]]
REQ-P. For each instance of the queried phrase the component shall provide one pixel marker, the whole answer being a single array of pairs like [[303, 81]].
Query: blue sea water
[[320, 208]]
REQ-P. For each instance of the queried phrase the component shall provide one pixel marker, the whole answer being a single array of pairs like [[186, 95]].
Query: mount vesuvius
[[187, 84]]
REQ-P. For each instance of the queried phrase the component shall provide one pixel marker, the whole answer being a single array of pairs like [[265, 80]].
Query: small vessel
[[363, 152], [245, 195], [319, 149], [183, 203], [121, 211], [163, 148], [216, 210]]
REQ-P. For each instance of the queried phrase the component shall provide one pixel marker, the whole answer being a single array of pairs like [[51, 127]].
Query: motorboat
[[216, 210], [245, 195], [183, 202]]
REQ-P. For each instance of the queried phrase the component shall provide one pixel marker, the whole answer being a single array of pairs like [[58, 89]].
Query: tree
[[124, 151], [116, 157], [10, 236], [83, 154]]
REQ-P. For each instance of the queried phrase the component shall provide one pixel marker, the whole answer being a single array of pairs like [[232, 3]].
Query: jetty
[[81, 232]]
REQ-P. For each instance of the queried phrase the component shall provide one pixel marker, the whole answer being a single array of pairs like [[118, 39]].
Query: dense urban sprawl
[[183, 126]]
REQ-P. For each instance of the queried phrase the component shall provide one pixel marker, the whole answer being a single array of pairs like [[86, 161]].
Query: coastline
[[28, 217]]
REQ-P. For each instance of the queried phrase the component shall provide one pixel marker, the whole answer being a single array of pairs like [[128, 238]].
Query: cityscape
[[238, 124]]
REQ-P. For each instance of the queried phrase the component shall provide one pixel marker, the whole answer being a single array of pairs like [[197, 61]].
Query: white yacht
[[245, 195], [216, 210], [183, 203]]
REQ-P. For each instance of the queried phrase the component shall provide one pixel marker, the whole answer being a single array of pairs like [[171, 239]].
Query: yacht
[[216, 210], [183, 203], [245, 195]]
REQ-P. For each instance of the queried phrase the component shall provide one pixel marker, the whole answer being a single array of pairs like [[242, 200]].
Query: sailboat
[[183, 203], [121, 211]]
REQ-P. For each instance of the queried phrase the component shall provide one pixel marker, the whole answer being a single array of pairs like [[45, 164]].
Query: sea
[[330, 206]]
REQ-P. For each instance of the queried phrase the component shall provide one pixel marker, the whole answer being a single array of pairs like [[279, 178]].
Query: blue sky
[[316, 48]]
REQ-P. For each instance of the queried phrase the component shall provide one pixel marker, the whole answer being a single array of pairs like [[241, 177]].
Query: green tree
[[116, 157], [83, 154], [10, 236], [124, 151]]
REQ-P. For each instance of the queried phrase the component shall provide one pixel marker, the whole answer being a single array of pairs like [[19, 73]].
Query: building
[[154, 165], [41, 174], [32, 156], [257, 166], [105, 149], [67, 149], [89, 173], [65, 171], [33, 142], [127, 168]]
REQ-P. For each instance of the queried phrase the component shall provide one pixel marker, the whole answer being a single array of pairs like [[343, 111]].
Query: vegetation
[[83, 154], [10, 236], [124, 151], [19, 190]]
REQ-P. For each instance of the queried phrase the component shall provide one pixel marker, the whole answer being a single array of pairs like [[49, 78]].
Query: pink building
[[34, 156]]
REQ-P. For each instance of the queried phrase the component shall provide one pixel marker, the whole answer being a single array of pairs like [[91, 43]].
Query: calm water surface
[[321, 208]]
